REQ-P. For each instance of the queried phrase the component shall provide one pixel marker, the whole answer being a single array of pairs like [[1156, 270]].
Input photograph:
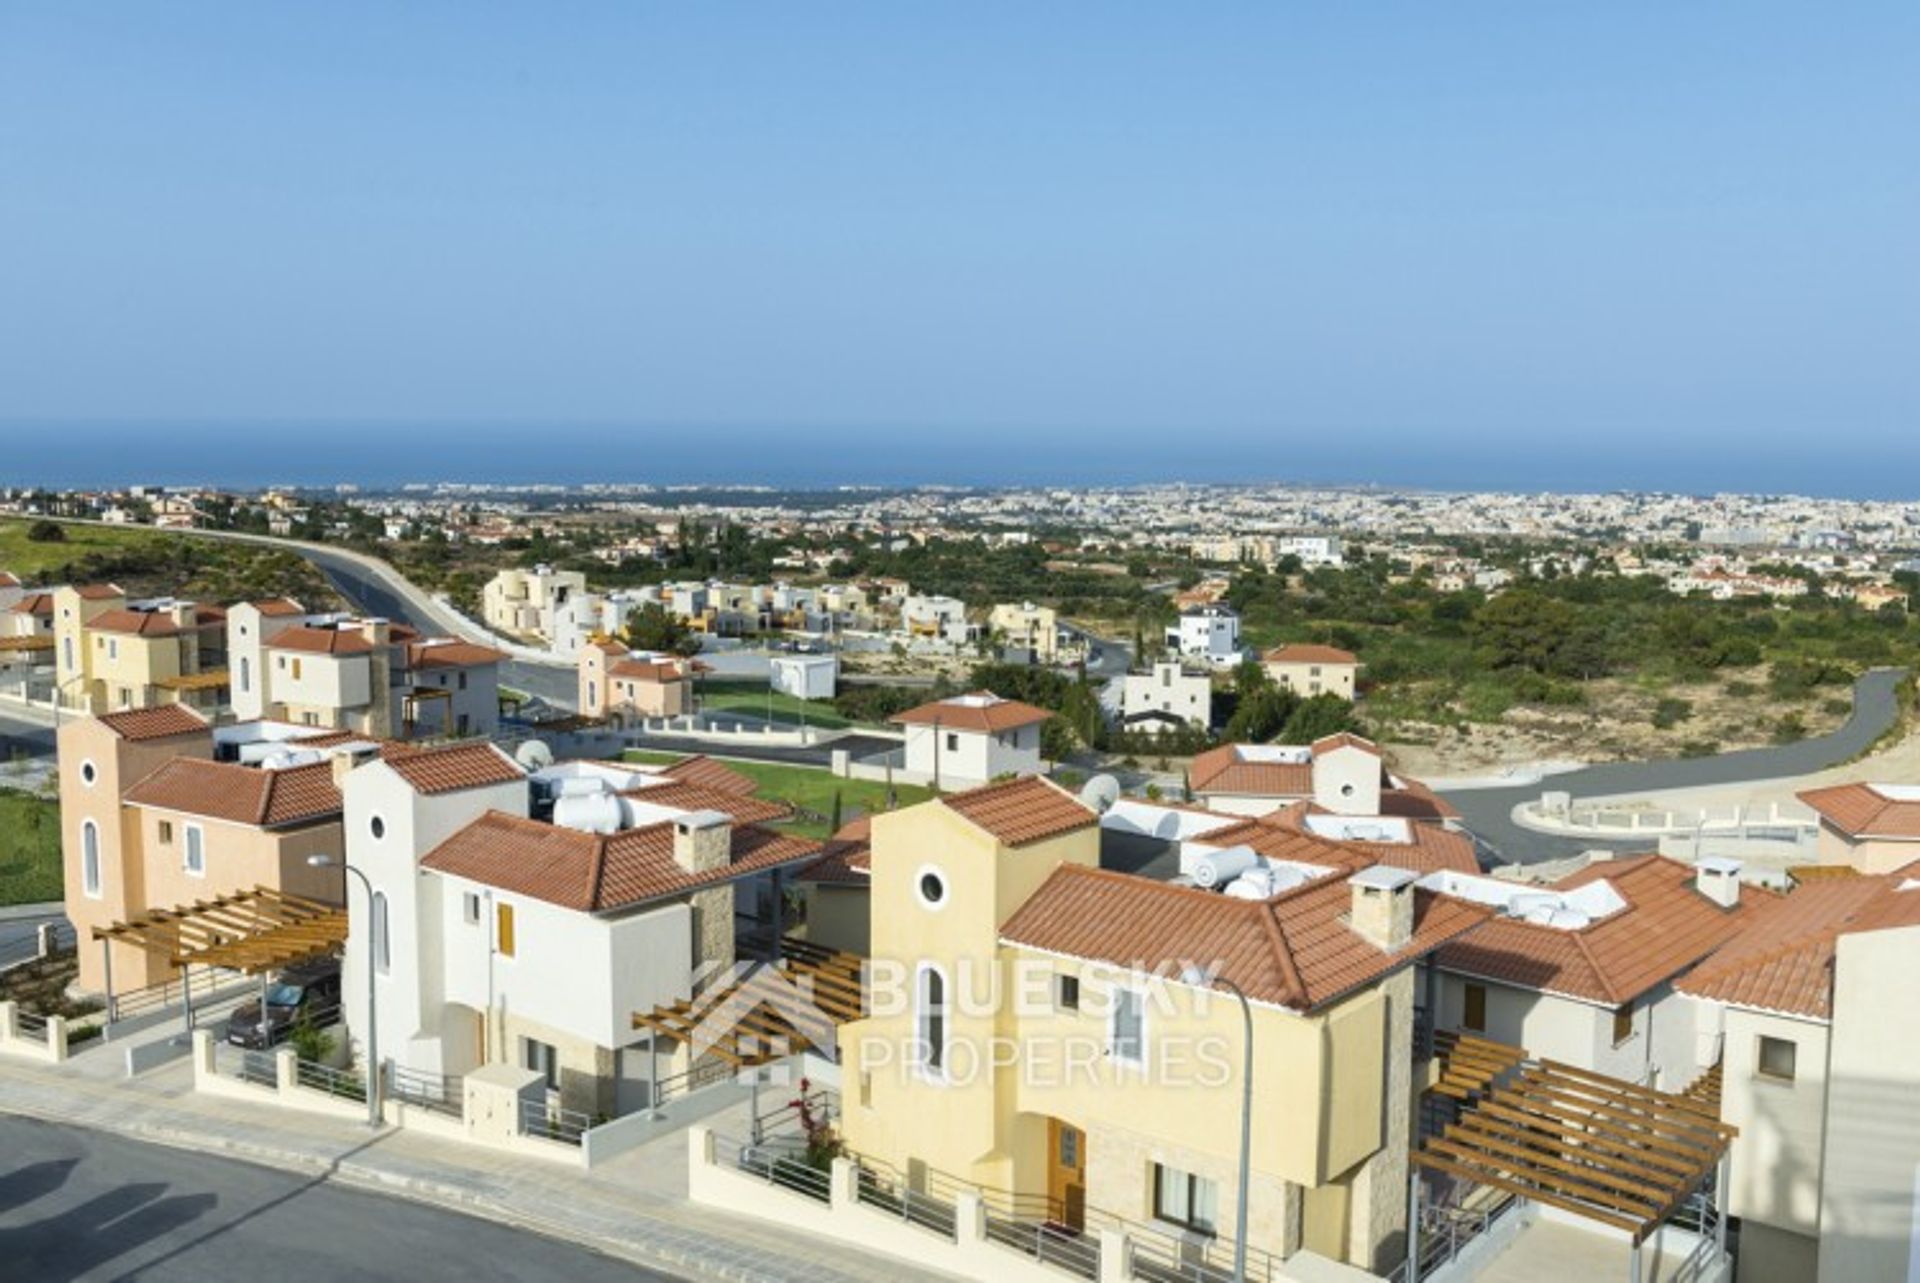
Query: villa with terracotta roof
[[1308, 669], [150, 821], [1340, 774], [1812, 1014], [368, 676], [965, 740], [1099, 1028], [114, 653], [1872, 828], [520, 920], [620, 684]]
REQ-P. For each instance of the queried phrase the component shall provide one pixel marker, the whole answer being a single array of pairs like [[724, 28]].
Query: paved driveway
[[76, 1204]]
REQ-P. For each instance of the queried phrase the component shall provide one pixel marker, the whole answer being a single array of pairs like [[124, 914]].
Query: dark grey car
[[312, 988]]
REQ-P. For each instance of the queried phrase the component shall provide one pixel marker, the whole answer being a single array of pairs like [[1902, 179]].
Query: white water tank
[[1217, 868], [588, 812]]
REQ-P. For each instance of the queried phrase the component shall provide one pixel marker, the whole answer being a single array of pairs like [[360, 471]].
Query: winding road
[[1489, 812]]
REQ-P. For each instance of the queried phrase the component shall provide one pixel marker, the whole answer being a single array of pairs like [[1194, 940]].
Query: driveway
[[77, 1204], [1489, 812]]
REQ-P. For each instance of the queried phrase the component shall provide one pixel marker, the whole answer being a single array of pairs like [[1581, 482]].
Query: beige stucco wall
[[838, 917], [1331, 679], [1870, 1186], [1776, 1157], [1769, 1255], [1868, 855]]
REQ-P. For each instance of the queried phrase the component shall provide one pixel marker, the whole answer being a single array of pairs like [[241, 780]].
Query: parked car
[[311, 989]]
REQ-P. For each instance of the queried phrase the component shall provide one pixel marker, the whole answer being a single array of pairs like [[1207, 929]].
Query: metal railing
[[341, 1083], [551, 1122], [30, 1023], [256, 1067], [776, 1167], [822, 1102], [1050, 1244], [1446, 1231], [436, 1093], [208, 985], [704, 1074], [881, 1187], [26, 952]]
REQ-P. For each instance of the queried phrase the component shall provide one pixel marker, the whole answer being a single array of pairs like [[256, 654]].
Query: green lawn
[[29, 848], [751, 697], [809, 788], [32, 561]]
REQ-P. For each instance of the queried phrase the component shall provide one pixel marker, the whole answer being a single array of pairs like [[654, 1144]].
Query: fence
[[702, 1074], [51, 940], [341, 1083], [776, 1167], [551, 1122], [880, 1186], [209, 985], [436, 1093]]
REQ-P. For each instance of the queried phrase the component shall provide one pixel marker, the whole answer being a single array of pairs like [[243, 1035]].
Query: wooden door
[[1067, 1173]]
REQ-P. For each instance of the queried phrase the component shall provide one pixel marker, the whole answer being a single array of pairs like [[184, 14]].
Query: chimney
[[1718, 878], [381, 720], [181, 613], [1382, 913], [703, 840]]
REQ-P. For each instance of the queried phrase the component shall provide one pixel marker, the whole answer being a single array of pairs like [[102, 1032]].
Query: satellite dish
[[1101, 792], [534, 755]]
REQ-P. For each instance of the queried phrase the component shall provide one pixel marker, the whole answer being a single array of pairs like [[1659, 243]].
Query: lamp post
[[1194, 976], [373, 1022]]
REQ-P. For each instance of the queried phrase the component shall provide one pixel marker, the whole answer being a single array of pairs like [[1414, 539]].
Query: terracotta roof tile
[[279, 607], [593, 872], [451, 654], [321, 641], [1666, 927], [161, 722], [847, 857], [1431, 849], [1309, 653], [470, 765], [1294, 950], [241, 794], [100, 592], [1222, 770], [981, 711], [1861, 810], [704, 771], [153, 623], [649, 670], [39, 603], [1783, 960], [1022, 810]]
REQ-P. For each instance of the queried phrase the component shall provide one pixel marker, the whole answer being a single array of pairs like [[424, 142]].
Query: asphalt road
[[31, 737], [1489, 812], [76, 1204]]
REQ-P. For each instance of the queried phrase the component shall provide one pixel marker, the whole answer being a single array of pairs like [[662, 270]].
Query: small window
[[89, 773], [1622, 1024], [1776, 1058], [470, 908], [382, 943], [953, 742], [503, 929], [377, 827], [543, 1059], [463, 681], [296, 670], [1474, 1009], [1127, 1029], [90, 858], [932, 888], [933, 1021], [866, 1089], [1181, 1198], [1066, 992], [196, 858], [166, 832]]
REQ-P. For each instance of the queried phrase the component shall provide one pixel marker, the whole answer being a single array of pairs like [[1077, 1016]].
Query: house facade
[[966, 740], [1310, 670], [524, 602], [1208, 634], [1168, 697], [615, 682], [1025, 626], [1871, 828]]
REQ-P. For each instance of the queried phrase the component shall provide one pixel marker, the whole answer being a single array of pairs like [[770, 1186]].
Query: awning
[[763, 1013], [212, 679]]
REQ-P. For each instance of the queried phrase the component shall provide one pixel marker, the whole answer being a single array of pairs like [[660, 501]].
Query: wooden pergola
[[26, 645], [246, 931], [1613, 1152], [761, 1015], [1469, 1065]]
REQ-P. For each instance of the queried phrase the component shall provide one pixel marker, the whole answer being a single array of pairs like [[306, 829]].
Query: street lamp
[[373, 1023], [1198, 978]]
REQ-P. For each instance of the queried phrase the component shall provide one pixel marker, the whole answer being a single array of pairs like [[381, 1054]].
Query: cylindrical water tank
[[590, 813], [1217, 868]]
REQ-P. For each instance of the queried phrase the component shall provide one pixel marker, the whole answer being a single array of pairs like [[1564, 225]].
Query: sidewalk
[[634, 1208]]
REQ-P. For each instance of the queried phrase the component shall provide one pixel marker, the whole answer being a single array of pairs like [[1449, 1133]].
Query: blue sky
[[1513, 243]]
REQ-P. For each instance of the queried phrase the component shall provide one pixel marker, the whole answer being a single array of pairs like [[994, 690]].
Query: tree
[[1251, 676], [46, 532], [1261, 715], [1057, 740], [1318, 716], [653, 627], [1523, 628]]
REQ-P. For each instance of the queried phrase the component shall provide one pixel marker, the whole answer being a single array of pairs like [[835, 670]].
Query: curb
[[414, 1189], [47, 909]]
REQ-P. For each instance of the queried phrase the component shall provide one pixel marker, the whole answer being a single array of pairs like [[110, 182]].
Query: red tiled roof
[[161, 722], [8, 580], [704, 771], [1023, 810], [153, 623], [277, 607], [39, 603], [470, 765], [649, 670], [241, 794], [594, 872], [1783, 960], [847, 857], [1221, 770], [985, 718], [1666, 927], [451, 654], [1431, 849], [1309, 653], [1344, 739], [1295, 950], [100, 592], [1860, 810], [321, 641]]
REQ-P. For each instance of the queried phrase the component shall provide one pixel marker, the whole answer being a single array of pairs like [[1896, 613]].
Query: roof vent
[[1718, 878]]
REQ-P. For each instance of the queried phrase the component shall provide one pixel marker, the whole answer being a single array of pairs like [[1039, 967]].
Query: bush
[[1670, 712], [1837, 707], [310, 1042], [46, 532], [1789, 729]]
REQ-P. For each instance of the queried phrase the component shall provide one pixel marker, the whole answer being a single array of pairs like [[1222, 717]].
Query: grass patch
[[752, 698], [29, 849], [807, 788], [148, 562]]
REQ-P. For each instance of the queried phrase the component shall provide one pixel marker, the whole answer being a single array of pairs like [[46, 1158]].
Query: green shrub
[[1670, 712]]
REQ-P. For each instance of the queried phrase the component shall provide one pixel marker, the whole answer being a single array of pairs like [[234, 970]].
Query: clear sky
[[1660, 244]]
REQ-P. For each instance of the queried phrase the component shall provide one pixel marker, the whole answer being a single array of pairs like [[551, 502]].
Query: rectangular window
[[166, 832], [1474, 1010], [1127, 1031], [296, 670], [463, 681], [1066, 993], [1622, 1024], [1181, 1198], [1776, 1058], [196, 860], [543, 1059], [470, 908], [953, 742], [113, 649], [503, 928]]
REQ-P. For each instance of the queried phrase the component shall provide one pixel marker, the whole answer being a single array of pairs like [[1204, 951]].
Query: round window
[[1346, 790], [378, 827], [88, 773], [932, 888]]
